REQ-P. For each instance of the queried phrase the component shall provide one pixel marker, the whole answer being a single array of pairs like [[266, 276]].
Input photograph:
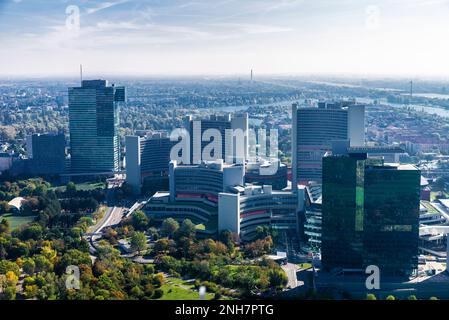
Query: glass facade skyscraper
[[314, 129], [46, 153], [370, 214], [94, 127], [147, 159], [234, 148]]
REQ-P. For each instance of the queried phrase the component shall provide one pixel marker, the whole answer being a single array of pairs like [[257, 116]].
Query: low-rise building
[[273, 173], [16, 204], [214, 196]]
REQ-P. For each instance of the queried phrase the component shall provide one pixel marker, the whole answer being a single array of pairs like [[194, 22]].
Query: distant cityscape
[[358, 181]]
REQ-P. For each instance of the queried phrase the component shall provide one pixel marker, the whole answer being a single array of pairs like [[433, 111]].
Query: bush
[[158, 293]]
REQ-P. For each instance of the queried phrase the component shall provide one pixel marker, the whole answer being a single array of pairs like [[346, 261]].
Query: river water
[[431, 110]]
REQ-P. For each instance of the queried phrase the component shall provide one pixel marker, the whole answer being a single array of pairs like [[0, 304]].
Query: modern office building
[[147, 159], [233, 132], [213, 195], [203, 181], [243, 209], [193, 193], [46, 154], [313, 130], [273, 173], [94, 127], [370, 213]]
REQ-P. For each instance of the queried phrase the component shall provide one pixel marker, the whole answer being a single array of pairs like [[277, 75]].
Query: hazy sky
[[175, 37]]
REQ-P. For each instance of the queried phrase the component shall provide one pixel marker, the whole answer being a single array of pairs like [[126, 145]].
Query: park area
[[16, 221], [178, 289]]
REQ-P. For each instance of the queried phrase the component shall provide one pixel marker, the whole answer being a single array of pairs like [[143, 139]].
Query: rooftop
[[16, 202], [375, 149]]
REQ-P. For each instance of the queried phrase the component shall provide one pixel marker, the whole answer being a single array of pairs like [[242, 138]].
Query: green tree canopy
[[138, 241], [169, 227]]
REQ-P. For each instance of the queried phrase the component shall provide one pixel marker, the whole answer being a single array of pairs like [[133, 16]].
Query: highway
[[112, 217]]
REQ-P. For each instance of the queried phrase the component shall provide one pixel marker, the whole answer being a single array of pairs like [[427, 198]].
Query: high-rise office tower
[[46, 153], [313, 130], [233, 134], [94, 127], [370, 213], [147, 159]]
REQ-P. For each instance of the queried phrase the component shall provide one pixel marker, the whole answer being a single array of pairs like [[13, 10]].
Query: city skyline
[[170, 38], [227, 150]]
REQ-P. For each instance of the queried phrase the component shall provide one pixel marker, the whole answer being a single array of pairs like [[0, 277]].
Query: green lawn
[[233, 269], [181, 282], [16, 221], [173, 292], [304, 266], [85, 186]]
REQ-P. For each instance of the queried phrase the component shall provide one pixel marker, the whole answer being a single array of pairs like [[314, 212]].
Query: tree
[[4, 207], [412, 297], [262, 232], [42, 263], [163, 245], [169, 227], [259, 247], [73, 257], [6, 266], [10, 293], [390, 297], [33, 232], [30, 206], [158, 293], [278, 278], [153, 232], [226, 237], [138, 241], [29, 266], [11, 278], [139, 220], [371, 296], [40, 190], [4, 227], [158, 279], [70, 189], [187, 229]]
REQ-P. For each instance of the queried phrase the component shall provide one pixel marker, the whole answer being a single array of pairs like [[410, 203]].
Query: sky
[[224, 37]]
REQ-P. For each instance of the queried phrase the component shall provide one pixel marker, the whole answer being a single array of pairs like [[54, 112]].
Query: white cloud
[[105, 5]]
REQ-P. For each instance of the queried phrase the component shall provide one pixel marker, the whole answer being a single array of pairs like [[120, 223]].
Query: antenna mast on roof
[[81, 73]]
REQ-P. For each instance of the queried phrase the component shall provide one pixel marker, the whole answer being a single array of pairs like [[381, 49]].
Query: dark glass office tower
[[94, 127], [391, 232], [46, 153], [342, 212], [370, 214]]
